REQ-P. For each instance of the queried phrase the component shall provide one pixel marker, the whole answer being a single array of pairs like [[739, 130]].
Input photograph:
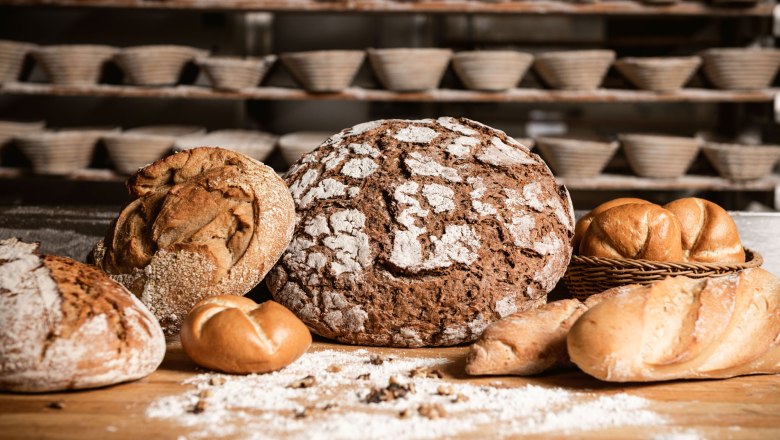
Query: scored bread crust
[[66, 325], [203, 222], [582, 224], [709, 234]]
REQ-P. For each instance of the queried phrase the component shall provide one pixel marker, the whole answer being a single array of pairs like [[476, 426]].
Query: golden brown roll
[[709, 234], [236, 335], [584, 222], [638, 231]]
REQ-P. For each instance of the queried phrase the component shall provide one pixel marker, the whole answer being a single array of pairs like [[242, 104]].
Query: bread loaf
[[202, 222], [236, 335], [529, 342], [583, 223], [683, 328], [66, 325], [709, 234], [638, 231]]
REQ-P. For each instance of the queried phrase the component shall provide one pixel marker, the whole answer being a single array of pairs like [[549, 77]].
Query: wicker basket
[[169, 130], [574, 157], [255, 144], [659, 156], [741, 68], [658, 74], [12, 54], [231, 73], [11, 129], [742, 162], [77, 64], [574, 70], [409, 69], [586, 276], [59, 152], [491, 70], [324, 70], [131, 151], [294, 145], [156, 65]]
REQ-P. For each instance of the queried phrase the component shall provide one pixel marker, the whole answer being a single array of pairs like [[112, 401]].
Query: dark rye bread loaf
[[66, 325], [421, 233]]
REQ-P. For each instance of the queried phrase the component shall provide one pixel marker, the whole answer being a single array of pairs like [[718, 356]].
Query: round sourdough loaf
[[66, 325], [203, 222], [421, 233]]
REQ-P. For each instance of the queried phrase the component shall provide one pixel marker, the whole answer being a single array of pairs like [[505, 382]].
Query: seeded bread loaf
[[203, 222], [421, 233], [66, 325]]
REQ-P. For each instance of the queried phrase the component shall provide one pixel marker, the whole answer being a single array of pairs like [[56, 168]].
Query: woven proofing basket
[[409, 69], [77, 64], [574, 157], [155, 65], [324, 70], [294, 145], [742, 162], [491, 70], [58, 152], [659, 156], [741, 69], [255, 144], [587, 276], [11, 129], [131, 151], [230, 73], [12, 55], [574, 70], [658, 74]]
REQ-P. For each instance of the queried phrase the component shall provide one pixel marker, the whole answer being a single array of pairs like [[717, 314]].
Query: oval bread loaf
[[709, 234], [236, 335], [65, 325], [583, 223]]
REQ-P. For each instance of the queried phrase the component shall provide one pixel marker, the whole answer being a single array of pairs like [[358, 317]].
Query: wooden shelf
[[361, 94], [607, 7]]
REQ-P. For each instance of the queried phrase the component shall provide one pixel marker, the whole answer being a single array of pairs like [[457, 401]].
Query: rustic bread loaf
[[66, 325], [236, 335], [532, 341], [202, 222], [709, 234], [421, 233], [683, 328], [638, 231], [582, 224]]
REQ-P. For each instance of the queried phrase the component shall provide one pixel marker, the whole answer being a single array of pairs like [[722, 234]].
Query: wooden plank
[[362, 94], [615, 7]]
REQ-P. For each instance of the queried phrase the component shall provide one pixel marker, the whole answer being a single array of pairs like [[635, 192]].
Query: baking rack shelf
[[361, 94], [616, 7], [601, 182]]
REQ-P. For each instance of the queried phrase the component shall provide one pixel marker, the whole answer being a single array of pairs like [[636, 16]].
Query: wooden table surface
[[739, 408]]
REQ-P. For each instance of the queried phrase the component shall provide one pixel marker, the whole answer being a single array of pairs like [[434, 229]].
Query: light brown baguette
[[709, 234], [683, 328], [529, 342]]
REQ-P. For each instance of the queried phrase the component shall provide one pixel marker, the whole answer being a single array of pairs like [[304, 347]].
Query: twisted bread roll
[[236, 335], [709, 234], [582, 224], [203, 222], [683, 328], [639, 231]]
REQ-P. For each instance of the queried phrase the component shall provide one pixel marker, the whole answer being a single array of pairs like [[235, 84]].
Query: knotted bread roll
[[582, 224], [202, 222], [709, 234], [639, 231], [236, 335]]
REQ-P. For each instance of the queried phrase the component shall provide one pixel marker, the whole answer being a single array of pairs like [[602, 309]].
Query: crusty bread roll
[[236, 335], [530, 342], [683, 328], [66, 325], [583, 223], [709, 234], [638, 231], [202, 222]]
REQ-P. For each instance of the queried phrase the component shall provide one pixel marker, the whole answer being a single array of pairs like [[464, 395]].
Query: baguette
[[683, 328]]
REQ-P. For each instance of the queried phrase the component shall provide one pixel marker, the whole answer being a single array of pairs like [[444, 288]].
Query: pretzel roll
[[638, 231], [236, 335], [709, 234], [584, 222]]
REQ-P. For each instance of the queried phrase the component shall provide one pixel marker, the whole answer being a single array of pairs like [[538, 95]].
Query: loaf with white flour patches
[[66, 325], [421, 233]]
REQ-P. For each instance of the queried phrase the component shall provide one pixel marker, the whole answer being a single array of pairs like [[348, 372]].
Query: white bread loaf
[[709, 234], [683, 328], [66, 325], [582, 224], [530, 342]]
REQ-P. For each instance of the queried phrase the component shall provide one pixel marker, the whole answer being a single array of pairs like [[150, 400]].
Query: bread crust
[[709, 234], [583, 223]]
